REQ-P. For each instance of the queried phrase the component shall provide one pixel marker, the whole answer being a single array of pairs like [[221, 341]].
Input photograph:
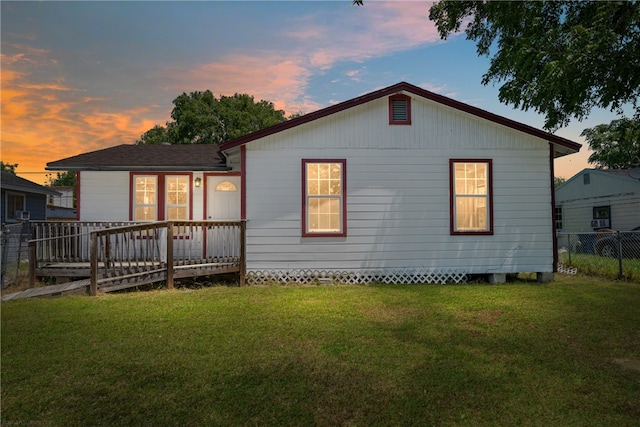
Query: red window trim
[[452, 230], [161, 191], [399, 122], [305, 233]]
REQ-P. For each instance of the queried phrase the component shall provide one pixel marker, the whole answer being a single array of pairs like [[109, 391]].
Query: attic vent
[[399, 110]]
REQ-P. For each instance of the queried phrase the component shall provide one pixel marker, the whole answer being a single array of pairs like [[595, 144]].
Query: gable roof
[[163, 157], [562, 146], [15, 183], [621, 175]]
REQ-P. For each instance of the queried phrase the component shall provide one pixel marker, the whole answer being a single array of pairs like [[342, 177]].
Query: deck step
[[48, 291]]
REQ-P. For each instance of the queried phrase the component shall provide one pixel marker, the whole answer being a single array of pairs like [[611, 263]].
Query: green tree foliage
[[558, 180], [156, 135], [201, 118], [616, 145], [8, 167], [62, 179], [559, 58]]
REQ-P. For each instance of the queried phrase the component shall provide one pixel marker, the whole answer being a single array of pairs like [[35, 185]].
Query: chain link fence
[[14, 251], [606, 252]]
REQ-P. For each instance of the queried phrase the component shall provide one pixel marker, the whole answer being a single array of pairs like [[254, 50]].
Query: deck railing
[[119, 254]]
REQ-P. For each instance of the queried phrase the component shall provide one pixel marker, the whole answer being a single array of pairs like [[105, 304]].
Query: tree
[[9, 167], [62, 179], [201, 118], [560, 58], [616, 145], [558, 180], [156, 135]]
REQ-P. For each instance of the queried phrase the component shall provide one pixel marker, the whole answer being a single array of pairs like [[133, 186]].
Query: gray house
[[596, 198], [22, 199]]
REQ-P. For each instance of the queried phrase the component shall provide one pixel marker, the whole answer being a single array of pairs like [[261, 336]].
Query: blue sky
[[80, 76]]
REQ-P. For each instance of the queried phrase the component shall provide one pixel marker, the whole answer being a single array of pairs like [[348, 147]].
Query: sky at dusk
[[81, 76]]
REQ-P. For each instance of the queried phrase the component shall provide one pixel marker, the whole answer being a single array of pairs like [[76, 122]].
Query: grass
[[604, 267], [511, 354]]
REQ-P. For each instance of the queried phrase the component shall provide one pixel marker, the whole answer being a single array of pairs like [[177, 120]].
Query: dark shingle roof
[[204, 157], [15, 183]]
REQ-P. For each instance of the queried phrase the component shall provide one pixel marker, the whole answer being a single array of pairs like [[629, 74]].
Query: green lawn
[[513, 354]]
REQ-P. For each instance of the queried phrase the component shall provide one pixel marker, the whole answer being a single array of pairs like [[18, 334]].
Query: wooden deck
[[111, 258]]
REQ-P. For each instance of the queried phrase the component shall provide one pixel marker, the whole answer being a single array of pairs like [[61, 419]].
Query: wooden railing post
[[93, 248], [33, 260], [170, 255], [243, 258]]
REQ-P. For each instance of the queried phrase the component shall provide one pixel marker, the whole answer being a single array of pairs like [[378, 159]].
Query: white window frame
[[306, 198], [154, 205], [484, 198]]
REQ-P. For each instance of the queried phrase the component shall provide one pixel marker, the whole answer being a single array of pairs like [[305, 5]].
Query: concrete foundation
[[544, 277], [497, 278]]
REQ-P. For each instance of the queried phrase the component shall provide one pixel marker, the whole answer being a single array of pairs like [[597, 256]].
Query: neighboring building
[[400, 185], [62, 206], [598, 198], [23, 200]]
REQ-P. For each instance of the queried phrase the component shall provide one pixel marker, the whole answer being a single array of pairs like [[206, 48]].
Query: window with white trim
[[162, 196], [471, 199], [145, 198], [177, 199], [324, 186]]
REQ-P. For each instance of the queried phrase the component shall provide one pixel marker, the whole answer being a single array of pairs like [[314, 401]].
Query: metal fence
[[14, 250], [604, 252]]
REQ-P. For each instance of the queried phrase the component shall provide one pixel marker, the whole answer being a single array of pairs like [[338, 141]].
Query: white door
[[223, 203], [223, 198]]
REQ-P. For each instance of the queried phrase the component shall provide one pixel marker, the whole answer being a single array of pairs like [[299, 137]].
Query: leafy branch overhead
[[561, 59], [616, 145], [201, 118]]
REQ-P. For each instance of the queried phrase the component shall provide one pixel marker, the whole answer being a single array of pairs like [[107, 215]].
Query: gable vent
[[399, 110]]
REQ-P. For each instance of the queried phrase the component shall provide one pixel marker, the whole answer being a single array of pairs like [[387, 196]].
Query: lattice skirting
[[566, 269], [401, 276]]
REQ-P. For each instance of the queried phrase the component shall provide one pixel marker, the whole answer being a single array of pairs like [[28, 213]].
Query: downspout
[[553, 210]]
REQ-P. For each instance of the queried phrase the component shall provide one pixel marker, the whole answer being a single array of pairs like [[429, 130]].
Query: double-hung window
[[145, 198], [324, 197], [157, 197], [471, 196]]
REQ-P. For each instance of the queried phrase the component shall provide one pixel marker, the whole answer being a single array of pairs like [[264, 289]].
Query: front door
[[223, 204], [223, 198]]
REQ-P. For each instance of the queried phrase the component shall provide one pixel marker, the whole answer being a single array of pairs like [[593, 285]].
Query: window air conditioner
[[600, 223], [23, 215]]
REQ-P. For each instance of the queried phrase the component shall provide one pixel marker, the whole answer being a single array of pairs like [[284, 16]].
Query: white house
[[400, 184], [598, 198]]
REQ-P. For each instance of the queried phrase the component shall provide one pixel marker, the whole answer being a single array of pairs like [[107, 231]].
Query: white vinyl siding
[[104, 196], [398, 200]]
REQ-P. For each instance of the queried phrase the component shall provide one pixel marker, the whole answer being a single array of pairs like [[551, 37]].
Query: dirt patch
[[628, 364]]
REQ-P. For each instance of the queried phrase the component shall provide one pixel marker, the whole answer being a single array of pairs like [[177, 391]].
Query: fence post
[[93, 248], [243, 254], [170, 255], [619, 254], [32, 263]]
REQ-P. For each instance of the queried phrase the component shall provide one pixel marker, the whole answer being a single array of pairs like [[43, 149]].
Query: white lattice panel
[[567, 270], [358, 277]]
